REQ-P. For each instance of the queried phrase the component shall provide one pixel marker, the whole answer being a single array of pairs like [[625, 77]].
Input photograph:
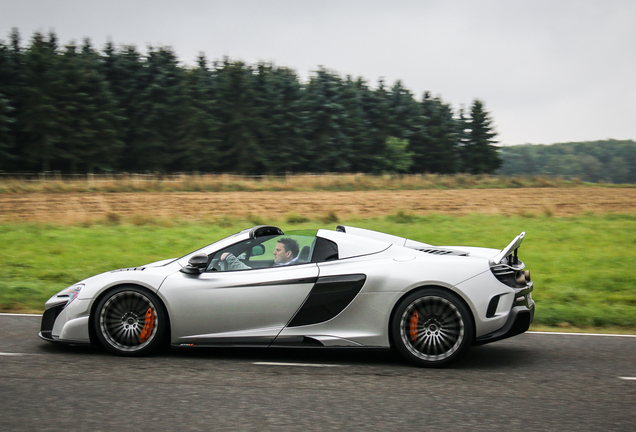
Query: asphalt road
[[531, 382]]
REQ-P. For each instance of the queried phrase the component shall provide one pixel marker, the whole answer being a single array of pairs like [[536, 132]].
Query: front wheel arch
[[165, 337]]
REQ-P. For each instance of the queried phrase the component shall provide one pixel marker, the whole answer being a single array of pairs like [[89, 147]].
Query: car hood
[[160, 263], [150, 275]]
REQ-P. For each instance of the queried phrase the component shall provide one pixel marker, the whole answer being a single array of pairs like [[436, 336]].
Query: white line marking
[[12, 354], [628, 378], [20, 315], [582, 334], [294, 364]]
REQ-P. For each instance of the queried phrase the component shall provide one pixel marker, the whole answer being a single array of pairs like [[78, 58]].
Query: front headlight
[[65, 296]]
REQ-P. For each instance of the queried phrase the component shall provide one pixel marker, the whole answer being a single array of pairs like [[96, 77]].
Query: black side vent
[[328, 298]]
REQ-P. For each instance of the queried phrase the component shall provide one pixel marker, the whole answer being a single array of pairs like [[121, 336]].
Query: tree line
[[610, 161], [77, 109]]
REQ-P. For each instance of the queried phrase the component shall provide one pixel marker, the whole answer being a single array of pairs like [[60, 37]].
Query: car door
[[235, 308]]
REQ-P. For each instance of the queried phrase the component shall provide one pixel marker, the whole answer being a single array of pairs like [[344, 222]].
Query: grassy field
[[582, 266]]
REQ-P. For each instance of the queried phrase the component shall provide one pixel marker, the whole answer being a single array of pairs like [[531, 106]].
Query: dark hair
[[290, 245]]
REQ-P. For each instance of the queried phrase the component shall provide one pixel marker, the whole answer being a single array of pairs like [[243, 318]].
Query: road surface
[[535, 381]]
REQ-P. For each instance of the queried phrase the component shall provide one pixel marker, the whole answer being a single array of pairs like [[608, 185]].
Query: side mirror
[[196, 264], [258, 250]]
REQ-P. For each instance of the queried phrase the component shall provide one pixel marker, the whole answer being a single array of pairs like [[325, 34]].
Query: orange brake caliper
[[414, 319], [149, 324]]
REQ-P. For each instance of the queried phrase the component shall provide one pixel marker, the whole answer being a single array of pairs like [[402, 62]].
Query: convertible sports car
[[350, 287]]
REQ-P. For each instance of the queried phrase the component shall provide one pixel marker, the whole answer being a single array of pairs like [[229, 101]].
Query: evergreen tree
[[370, 155], [90, 136], [479, 155], [238, 114], [41, 115], [198, 144], [119, 110], [404, 112], [359, 129], [127, 77], [435, 147], [282, 119], [330, 146], [12, 85], [162, 109], [6, 135]]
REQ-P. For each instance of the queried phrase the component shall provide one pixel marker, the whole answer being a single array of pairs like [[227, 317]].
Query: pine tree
[[330, 146], [162, 106], [479, 155], [361, 154], [435, 146], [126, 74], [238, 114], [41, 114], [6, 135], [370, 156], [282, 119], [197, 148], [90, 137], [404, 112]]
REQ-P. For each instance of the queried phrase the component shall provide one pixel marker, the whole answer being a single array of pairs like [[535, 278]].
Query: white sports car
[[350, 287]]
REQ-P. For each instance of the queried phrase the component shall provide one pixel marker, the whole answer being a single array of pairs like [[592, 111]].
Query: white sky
[[547, 70]]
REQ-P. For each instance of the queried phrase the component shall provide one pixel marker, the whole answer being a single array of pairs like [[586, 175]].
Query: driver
[[286, 253]]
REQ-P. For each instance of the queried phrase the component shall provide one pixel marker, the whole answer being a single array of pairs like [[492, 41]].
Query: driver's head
[[286, 250]]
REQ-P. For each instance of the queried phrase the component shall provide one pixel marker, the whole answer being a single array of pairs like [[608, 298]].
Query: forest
[[76, 109], [609, 161]]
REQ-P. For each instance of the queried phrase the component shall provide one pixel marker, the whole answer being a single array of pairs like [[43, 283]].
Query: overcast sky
[[547, 70]]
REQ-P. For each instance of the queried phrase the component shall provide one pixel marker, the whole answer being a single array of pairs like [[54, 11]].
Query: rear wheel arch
[[425, 287], [432, 291]]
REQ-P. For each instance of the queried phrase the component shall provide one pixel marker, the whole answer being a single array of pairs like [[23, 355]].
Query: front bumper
[[69, 328], [48, 321]]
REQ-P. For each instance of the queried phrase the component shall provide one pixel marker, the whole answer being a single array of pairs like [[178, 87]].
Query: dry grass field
[[143, 207]]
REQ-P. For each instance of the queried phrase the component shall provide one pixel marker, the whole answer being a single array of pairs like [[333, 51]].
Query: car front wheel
[[130, 321], [432, 327]]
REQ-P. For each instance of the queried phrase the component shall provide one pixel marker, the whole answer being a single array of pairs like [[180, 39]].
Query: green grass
[[582, 267]]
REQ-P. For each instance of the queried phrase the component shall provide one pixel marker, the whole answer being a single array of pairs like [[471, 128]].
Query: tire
[[432, 327], [130, 321]]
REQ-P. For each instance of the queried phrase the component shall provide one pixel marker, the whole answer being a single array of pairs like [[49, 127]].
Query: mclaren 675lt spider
[[261, 287]]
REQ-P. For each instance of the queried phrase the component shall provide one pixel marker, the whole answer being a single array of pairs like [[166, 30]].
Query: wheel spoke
[[439, 328], [123, 317]]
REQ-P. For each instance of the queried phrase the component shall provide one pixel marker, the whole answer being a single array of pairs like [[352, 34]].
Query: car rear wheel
[[130, 321], [432, 327]]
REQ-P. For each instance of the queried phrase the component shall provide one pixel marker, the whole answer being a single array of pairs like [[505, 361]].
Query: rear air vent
[[492, 307], [437, 251]]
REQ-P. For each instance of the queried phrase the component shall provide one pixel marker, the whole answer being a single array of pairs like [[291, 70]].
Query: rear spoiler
[[509, 250]]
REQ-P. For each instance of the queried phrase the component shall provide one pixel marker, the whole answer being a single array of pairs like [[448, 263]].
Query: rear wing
[[511, 249]]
